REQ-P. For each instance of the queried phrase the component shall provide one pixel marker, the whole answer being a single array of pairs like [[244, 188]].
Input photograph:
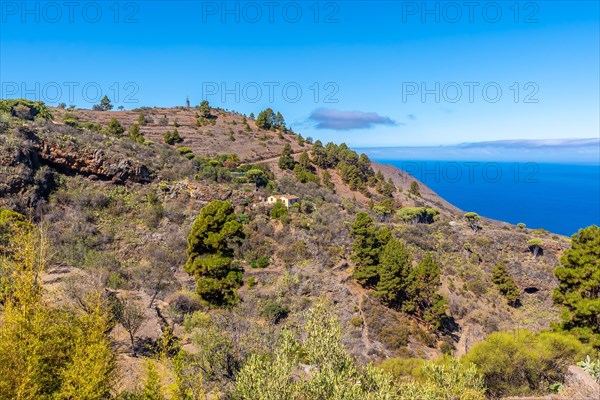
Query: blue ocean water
[[561, 198]]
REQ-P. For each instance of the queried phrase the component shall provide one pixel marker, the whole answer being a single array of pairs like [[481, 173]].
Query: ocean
[[561, 198]]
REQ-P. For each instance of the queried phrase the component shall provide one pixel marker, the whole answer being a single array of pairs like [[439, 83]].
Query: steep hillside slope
[[117, 212]]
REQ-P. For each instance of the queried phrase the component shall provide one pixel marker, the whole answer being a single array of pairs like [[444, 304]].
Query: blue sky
[[361, 67]]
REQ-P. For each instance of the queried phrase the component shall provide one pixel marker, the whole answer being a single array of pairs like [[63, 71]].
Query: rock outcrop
[[95, 163]]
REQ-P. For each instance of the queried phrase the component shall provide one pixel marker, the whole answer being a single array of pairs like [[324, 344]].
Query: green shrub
[[251, 282], [403, 369], [443, 379], [279, 210], [183, 150], [522, 363], [421, 215], [261, 262], [506, 284], [472, 220], [172, 138], [115, 128], [274, 311], [135, 134], [25, 109]]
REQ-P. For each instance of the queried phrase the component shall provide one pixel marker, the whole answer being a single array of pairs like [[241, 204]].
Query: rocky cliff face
[[95, 164], [28, 164]]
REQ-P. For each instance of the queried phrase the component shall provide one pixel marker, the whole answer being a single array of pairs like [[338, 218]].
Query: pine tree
[[210, 253], [414, 189], [393, 270], [135, 134], [506, 284], [424, 281], [319, 155], [266, 119], [578, 290], [286, 161], [304, 161], [205, 109], [105, 105], [366, 248]]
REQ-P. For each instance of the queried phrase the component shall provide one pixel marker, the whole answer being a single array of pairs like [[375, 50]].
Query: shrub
[[535, 246], [70, 119], [472, 220], [172, 138], [279, 210], [414, 189], [274, 311], [25, 109], [115, 128], [184, 302], [522, 363], [183, 150], [261, 262], [135, 134], [142, 119], [420, 215]]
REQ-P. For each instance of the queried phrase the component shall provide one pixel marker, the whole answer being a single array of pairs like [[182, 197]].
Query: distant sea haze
[[555, 186]]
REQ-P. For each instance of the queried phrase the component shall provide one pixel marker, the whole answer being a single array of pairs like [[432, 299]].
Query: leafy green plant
[[25, 109], [592, 367]]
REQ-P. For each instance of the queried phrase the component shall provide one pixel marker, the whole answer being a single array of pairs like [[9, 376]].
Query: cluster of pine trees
[[384, 264]]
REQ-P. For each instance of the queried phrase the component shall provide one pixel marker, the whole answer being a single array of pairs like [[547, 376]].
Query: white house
[[285, 199]]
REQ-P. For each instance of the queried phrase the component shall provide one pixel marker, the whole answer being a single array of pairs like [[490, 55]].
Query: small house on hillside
[[285, 199]]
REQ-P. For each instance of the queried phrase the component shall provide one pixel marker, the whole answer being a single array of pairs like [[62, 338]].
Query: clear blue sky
[[370, 61]]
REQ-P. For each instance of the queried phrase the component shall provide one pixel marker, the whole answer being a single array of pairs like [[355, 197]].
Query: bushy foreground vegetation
[[48, 352]]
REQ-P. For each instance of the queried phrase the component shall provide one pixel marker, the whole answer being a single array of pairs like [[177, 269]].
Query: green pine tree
[[394, 269], [578, 290], [506, 284]]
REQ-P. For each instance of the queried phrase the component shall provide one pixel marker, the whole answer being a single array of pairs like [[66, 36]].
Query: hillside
[[117, 212]]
